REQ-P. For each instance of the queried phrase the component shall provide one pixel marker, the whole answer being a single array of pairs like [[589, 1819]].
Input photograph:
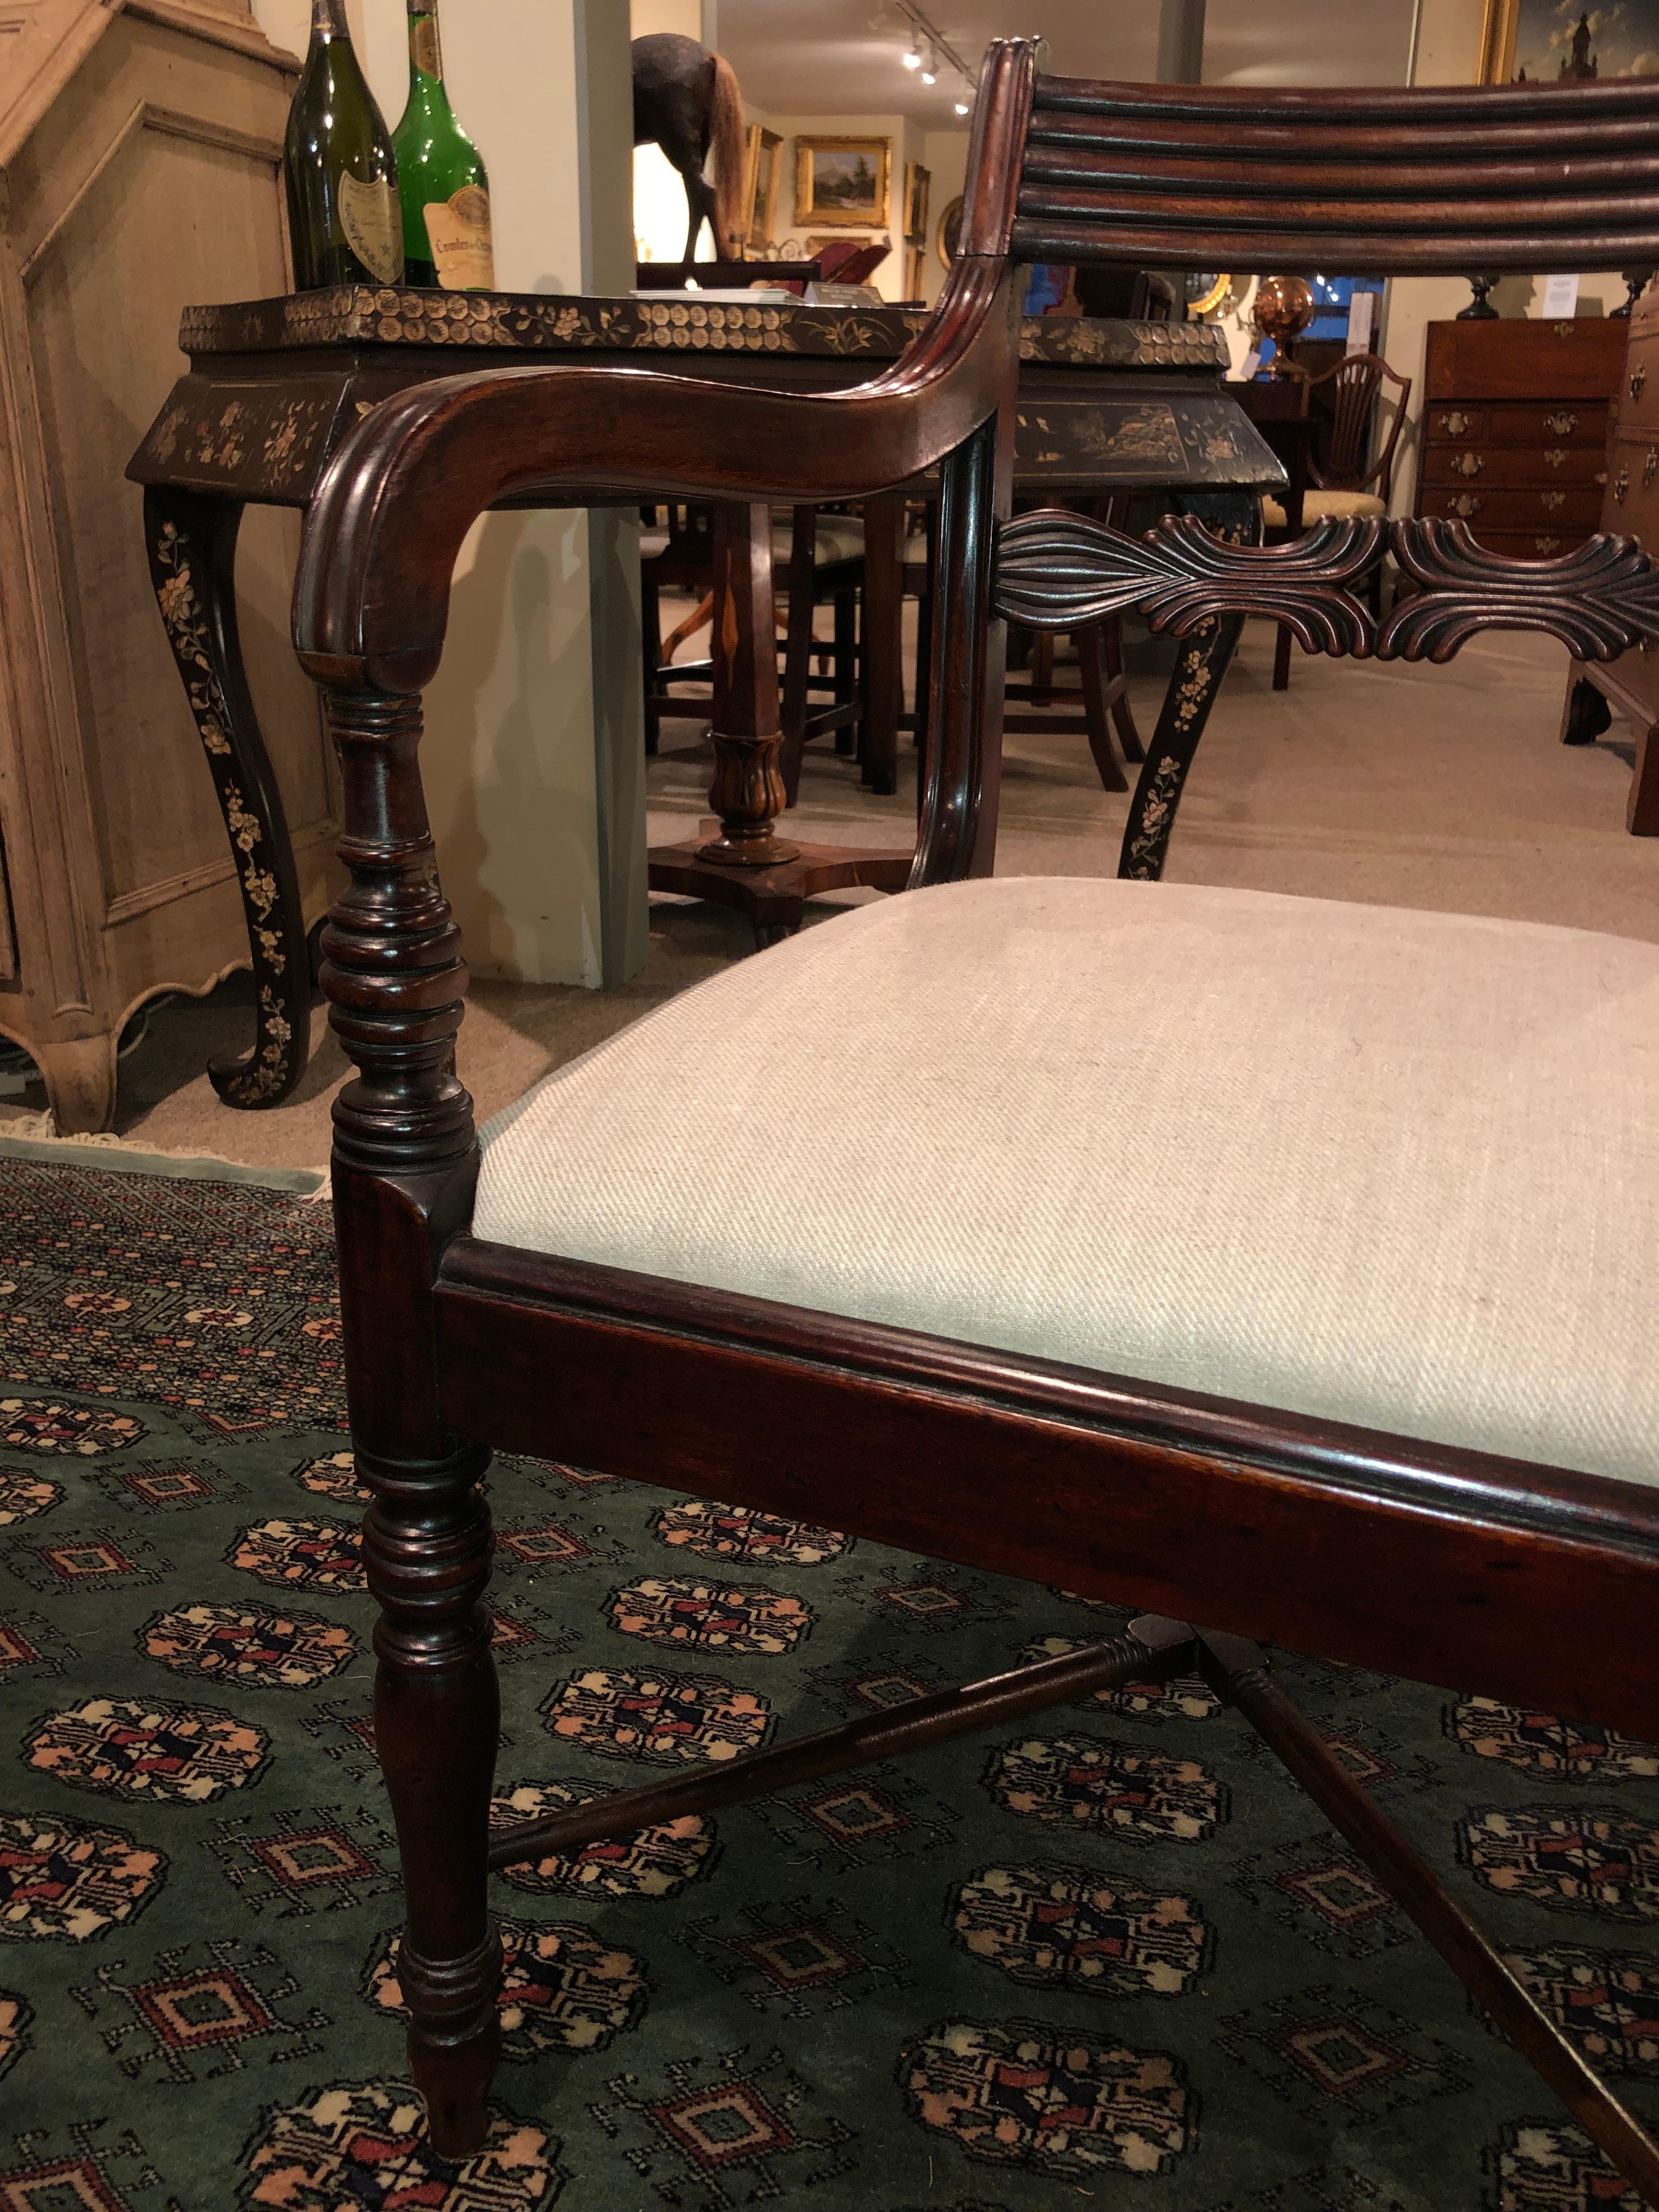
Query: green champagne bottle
[[445, 192], [344, 214]]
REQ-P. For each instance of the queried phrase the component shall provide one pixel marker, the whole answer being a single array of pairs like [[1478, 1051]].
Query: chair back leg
[[963, 773]]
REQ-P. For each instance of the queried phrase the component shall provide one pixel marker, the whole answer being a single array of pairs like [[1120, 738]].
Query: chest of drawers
[[1515, 429], [1630, 508]]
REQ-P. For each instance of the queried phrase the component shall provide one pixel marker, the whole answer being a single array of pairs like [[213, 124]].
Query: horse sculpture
[[685, 101]]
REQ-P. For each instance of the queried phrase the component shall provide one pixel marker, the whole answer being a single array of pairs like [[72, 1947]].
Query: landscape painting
[[843, 181], [1564, 42]]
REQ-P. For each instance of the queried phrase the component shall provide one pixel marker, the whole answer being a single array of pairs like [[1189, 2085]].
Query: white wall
[[542, 857], [945, 153]]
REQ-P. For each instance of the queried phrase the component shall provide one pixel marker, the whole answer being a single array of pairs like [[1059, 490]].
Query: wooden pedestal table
[[739, 859], [274, 386]]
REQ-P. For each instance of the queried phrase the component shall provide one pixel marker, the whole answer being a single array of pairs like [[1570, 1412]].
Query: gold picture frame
[[1498, 28], [762, 173], [917, 181], [844, 183], [950, 229]]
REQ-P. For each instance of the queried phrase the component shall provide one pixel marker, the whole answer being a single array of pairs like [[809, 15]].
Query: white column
[[532, 760]]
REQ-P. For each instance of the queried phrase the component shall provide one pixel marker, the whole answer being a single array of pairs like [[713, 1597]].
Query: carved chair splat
[[1438, 1550]]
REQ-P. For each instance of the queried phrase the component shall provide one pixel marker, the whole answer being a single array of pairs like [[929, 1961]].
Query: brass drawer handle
[[1650, 466], [1456, 424], [1547, 544], [1549, 501], [1561, 426], [1554, 458], [1638, 377], [1620, 486], [1468, 464], [1466, 504]]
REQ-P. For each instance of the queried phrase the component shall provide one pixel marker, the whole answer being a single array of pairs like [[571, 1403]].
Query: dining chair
[[1343, 479], [1282, 1268]]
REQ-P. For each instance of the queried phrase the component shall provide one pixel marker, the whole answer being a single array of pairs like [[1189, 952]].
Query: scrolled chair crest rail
[[1053, 570]]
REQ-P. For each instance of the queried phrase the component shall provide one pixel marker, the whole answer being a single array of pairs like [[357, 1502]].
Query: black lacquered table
[[274, 386]]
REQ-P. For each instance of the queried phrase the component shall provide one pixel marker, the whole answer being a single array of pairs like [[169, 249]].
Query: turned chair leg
[[437, 1716]]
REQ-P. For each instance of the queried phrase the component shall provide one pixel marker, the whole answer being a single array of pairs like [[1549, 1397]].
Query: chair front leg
[[427, 1546], [404, 1163]]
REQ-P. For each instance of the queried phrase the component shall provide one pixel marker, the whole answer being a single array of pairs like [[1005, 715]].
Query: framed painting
[[762, 175], [916, 182], [1567, 42], [844, 183]]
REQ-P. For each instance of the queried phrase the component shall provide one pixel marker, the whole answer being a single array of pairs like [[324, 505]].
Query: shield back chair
[[1349, 1349], [1343, 479]]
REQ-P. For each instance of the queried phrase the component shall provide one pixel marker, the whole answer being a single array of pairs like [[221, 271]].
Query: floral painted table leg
[[193, 560], [1202, 658]]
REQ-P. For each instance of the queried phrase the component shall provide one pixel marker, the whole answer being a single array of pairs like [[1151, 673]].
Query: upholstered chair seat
[[1393, 1168], [1318, 505]]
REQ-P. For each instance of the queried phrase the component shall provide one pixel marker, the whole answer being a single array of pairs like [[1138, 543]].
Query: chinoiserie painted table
[[274, 386]]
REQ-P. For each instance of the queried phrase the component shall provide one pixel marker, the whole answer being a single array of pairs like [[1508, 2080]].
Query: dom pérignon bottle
[[446, 192], [343, 212]]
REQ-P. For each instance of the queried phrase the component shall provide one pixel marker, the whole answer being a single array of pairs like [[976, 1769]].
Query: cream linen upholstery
[[1391, 1167], [1316, 505]]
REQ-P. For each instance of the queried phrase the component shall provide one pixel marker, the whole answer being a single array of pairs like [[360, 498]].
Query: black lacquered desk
[[274, 386]]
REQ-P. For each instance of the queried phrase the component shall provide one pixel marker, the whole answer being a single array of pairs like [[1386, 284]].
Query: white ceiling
[[844, 57]]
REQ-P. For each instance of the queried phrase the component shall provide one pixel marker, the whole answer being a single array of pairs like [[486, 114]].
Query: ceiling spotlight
[[911, 59], [962, 107], [930, 74]]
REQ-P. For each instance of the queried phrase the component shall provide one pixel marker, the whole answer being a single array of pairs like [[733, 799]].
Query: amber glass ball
[[1283, 308]]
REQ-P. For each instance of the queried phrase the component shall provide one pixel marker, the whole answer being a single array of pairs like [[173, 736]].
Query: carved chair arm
[[385, 524]]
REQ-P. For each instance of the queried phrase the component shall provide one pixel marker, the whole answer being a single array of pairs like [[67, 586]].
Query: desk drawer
[[1568, 510], [1518, 422], [1638, 399], [1632, 501], [1529, 544], [1539, 467]]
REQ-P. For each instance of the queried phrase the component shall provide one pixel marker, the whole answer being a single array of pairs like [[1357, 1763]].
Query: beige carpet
[[1411, 787]]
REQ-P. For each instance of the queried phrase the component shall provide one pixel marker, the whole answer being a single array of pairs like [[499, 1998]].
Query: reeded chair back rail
[[1371, 1549]]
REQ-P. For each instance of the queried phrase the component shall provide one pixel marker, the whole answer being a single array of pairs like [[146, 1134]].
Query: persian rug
[[1110, 1954]]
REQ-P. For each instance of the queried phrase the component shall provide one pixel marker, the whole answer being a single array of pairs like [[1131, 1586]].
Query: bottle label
[[373, 224], [423, 44], [458, 229]]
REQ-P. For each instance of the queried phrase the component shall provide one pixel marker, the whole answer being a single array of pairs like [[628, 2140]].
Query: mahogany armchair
[[1350, 1350]]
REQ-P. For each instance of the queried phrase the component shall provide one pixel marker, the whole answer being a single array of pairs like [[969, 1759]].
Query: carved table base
[[773, 896], [739, 860]]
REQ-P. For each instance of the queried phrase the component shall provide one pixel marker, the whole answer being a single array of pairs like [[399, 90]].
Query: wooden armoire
[[140, 145]]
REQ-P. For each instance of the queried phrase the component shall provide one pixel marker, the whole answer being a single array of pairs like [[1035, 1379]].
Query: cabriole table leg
[[1202, 658], [192, 541]]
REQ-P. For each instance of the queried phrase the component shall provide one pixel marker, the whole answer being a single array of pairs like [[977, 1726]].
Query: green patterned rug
[[1112, 1953]]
